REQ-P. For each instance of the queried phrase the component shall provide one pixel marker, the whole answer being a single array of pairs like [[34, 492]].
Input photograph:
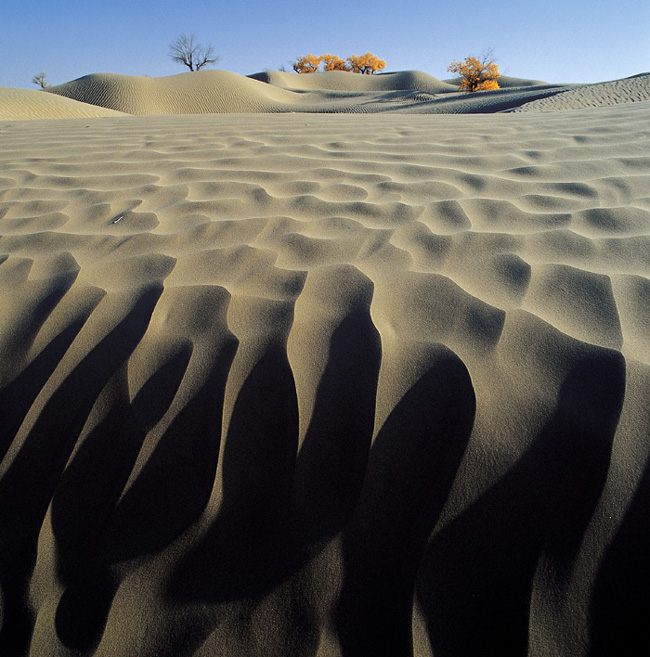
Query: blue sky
[[551, 40]]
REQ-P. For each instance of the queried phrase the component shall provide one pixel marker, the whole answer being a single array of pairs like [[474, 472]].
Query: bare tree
[[40, 81], [193, 55]]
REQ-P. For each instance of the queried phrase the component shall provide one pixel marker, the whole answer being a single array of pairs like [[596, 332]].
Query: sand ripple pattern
[[325, 385]]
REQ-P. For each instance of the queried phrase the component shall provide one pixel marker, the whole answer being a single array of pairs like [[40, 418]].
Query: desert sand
[[328, 366]]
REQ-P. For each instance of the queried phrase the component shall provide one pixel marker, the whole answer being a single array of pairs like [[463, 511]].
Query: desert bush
[[333, 63], [477, 74], [193, 55], [40, 81], [365, 64], [307, 64]]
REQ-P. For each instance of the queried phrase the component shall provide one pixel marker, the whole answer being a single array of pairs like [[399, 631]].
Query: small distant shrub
[[364, 64], [40, 81], [477, 74]]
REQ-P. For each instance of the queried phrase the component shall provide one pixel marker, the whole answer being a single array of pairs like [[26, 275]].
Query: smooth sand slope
[[325, 385]]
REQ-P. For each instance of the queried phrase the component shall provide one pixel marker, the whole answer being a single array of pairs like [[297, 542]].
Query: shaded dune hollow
[[327, 386]]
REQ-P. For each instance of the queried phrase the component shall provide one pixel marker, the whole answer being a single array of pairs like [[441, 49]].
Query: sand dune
[[224, 92], [629, 90], [331, 92], [25, 104], [328, 385], [209, 91], [342, 81], [201, 92]]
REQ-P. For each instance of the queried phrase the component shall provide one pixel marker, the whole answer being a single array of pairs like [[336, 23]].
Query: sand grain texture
[[325, 385]]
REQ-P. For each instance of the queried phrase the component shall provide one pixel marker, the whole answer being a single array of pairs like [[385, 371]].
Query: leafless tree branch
[[40, 80], [186, 51]]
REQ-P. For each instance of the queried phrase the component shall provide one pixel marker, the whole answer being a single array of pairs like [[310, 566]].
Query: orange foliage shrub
[[367, 63], [488, 85], [334, 63], [477, 74], [307, 64]]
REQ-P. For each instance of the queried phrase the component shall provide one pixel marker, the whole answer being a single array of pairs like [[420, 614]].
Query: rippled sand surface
[[279, 384]]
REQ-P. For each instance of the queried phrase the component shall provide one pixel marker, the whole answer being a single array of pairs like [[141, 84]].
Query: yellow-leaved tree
[[366, 64], [307, 64], [333, 63], [477, 74]]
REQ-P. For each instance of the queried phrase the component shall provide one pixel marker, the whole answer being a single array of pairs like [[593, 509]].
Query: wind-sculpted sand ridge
[[325, 385]]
